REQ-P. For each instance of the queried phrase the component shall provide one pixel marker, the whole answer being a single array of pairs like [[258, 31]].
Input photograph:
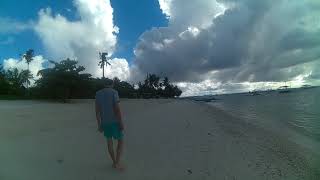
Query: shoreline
[[279, 143], [285, 130], [165, 139]]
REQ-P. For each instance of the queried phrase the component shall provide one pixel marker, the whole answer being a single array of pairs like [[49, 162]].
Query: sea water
[[296, 113]]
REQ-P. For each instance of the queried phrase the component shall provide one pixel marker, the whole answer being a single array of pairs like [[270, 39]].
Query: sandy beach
[[165, 139]]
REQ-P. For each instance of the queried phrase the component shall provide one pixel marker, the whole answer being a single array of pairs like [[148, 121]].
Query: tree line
[[68, 80]]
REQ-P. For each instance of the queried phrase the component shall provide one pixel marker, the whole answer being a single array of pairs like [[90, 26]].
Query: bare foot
[[119, 167], [114, 166]]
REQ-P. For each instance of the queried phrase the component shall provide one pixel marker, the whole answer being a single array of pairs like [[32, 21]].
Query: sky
[[203, 46]]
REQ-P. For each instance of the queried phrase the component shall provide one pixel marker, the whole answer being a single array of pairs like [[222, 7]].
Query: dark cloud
[[300, 39], [253, 41]]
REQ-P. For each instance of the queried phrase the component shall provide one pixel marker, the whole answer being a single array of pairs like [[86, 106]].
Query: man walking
[[109, 120]]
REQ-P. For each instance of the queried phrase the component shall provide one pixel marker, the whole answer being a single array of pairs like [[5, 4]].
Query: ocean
[[295, 114]]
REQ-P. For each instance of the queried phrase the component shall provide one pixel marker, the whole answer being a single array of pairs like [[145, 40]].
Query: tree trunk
[[28, 76], [103, 71]]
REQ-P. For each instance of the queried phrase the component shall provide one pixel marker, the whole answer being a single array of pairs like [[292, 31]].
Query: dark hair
[[108, 82]]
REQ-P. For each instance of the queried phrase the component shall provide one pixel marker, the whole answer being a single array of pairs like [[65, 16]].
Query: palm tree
[[28, 56], [17, 78], [103, 62], [24, 77]]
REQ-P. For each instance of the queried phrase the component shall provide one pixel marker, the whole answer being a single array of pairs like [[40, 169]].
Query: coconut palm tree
[[103, 62], [24, 77], [28, 57], [17, 78]]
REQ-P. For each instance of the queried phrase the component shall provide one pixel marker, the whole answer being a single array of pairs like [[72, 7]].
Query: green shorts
[[112, 130]]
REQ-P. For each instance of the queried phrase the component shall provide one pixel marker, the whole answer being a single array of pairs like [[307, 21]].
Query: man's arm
[[118, 114], [98, 115]]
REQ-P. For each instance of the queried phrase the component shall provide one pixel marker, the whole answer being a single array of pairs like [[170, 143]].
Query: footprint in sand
[[60, 161]]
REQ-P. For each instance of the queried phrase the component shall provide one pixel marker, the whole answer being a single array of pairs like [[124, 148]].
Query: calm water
[[298, 111]]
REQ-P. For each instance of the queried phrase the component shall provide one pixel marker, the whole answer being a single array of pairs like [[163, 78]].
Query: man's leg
[[110, 150], [119, 153]]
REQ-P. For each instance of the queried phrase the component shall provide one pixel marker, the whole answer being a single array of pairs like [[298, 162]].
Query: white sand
[[165, 139]]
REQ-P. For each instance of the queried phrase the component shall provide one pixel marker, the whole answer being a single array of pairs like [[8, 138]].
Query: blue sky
[[204, 46], [132, 17], [24, 11]]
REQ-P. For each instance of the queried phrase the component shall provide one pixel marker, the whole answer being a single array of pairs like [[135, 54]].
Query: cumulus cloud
[[36, 65], [185, 13], [232, 42], [119, 68], [82, 39], [165, 7]]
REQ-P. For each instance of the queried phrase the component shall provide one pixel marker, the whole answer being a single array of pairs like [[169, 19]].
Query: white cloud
[[165, 7], [211, 87], [82, 39], [36, 65], [185, 13], [118, 68], [189, 33], [209, 45], [226, 45]]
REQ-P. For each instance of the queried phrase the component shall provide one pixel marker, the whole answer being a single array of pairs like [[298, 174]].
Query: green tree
[[25, 76], [28, 57], [153, 88], [104, 62], [4, 84], [17, 79], [169, 90], [64, 81], [124, 89], [149, 88], [152, 81]]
